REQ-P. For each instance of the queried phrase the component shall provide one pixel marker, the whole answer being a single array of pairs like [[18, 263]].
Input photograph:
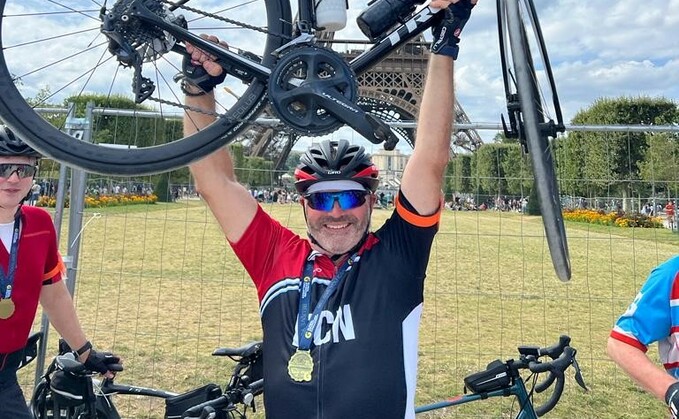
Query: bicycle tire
[[533, 127], [17, 111]]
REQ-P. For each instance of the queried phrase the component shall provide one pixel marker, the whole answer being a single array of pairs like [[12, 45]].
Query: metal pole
[[494, 126], [77, 204], [73, 130]]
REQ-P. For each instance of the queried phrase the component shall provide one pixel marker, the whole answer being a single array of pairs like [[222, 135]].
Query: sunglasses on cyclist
[[22, 170], [324, 201]]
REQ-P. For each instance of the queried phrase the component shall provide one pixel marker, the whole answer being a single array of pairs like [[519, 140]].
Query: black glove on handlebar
[[672, 399], [102, 362], [447, 30]]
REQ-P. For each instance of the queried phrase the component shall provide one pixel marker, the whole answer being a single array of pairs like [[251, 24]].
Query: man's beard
[[343, 240]]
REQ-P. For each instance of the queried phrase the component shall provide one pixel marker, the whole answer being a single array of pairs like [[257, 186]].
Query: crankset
[[314, 91]]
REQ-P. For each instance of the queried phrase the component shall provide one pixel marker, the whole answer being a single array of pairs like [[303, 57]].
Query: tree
[[490, 170], [127, 130], [517, 169], [661, 163], [162, 188], [611, 160], [460, 174]]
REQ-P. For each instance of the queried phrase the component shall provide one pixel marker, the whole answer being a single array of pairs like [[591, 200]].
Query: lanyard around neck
[[305, 323], [7, 280]]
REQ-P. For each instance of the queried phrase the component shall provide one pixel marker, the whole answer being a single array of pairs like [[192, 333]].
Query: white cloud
[[602, 48]]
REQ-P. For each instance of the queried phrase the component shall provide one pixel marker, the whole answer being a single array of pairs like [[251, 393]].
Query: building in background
[[391, 165]]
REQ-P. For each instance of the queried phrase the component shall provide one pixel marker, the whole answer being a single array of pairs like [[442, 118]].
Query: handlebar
[[563, 356], [69, 363], [225, 402], [553, 351]]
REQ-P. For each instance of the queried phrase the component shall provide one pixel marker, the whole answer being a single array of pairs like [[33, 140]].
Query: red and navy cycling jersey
[[365, 343]]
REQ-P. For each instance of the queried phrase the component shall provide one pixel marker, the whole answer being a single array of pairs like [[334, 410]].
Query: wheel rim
[[533, 113], [157, 145]]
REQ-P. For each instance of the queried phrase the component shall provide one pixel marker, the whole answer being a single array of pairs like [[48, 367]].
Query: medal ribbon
[[306, 324], [6, 280]]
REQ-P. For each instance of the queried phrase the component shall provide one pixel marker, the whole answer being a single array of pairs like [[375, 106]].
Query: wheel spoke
[[78, 60]]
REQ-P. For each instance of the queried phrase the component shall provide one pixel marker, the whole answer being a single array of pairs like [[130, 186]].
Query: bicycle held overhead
[[134, 48]]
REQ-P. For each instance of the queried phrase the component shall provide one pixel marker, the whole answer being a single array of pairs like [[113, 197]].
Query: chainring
[[290, 84]]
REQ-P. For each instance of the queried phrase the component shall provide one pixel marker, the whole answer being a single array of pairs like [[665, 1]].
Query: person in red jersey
[[31, 272]]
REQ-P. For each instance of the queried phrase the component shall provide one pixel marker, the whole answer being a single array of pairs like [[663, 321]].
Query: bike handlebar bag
[[70, 390], [176, 405], [495, 377]]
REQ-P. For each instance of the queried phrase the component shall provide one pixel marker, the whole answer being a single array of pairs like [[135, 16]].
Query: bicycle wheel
[[533, 117], [55, 52]]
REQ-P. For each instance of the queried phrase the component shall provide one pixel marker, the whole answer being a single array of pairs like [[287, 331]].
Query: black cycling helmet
[[336, 160], [11, 145]]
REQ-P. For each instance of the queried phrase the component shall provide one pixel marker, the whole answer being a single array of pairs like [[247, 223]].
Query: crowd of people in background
[[500, 203]]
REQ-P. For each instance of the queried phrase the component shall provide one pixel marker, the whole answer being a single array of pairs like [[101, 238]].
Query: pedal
[[382, 132]]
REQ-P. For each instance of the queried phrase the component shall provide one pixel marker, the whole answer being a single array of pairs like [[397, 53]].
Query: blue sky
[[601, 48]]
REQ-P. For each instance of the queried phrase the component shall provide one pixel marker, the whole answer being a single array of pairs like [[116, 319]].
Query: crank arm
[[369, 126]]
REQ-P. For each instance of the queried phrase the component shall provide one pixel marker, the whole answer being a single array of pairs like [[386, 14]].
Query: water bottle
[[381, 15], [331, 15]]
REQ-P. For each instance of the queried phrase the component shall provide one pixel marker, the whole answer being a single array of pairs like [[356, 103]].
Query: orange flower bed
[[103, 201], [612, 218]]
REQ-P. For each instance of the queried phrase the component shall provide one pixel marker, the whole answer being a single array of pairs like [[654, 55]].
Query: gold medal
[[6, 308], [300, 366]]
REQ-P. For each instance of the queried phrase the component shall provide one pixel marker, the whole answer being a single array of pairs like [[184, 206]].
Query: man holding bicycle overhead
[[340, 310], [653, 316], [31, 270]]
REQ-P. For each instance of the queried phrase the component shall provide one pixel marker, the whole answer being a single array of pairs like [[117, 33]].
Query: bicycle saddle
[[249, 350]]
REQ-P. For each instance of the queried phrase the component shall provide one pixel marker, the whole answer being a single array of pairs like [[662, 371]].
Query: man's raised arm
[[423, 176], [232, 205]]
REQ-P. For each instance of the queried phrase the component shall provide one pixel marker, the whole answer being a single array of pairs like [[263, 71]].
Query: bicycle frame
[[244, 68], [518, 390]]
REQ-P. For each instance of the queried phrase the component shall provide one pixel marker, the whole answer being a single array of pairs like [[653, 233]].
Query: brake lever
[[578, 375]]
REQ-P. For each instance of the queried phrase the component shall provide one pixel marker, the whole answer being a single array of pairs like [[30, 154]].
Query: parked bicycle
[[503, 379], [133, 48], [69, 391]]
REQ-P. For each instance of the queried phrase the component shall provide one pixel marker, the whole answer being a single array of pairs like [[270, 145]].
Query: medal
[[7, 279], [7, 309], [300, 366]]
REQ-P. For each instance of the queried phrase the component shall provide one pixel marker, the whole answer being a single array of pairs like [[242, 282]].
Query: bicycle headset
[[336, 160], [11, 145]]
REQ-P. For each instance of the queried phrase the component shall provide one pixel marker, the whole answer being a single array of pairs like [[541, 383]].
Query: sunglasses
[[325, 201], [22, 170]]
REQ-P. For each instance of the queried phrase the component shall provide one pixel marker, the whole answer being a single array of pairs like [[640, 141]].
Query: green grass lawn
[[159, 285]]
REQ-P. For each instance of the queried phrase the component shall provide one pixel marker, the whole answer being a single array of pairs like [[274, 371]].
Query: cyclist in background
[[31, 271], [653, 316], [340, 310]]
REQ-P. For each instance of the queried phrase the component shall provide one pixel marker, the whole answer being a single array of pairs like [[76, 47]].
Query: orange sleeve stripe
[[418, 220], [60, 268]]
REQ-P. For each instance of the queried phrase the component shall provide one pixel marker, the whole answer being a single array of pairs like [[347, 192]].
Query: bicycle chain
[[252, 122], [227, 20]]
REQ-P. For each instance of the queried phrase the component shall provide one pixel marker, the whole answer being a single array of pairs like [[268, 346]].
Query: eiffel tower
[[392, 90]]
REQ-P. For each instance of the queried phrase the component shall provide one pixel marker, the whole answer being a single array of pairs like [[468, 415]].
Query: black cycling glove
[[672, 399], [102, 362], [198, 76], [447, 29]]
